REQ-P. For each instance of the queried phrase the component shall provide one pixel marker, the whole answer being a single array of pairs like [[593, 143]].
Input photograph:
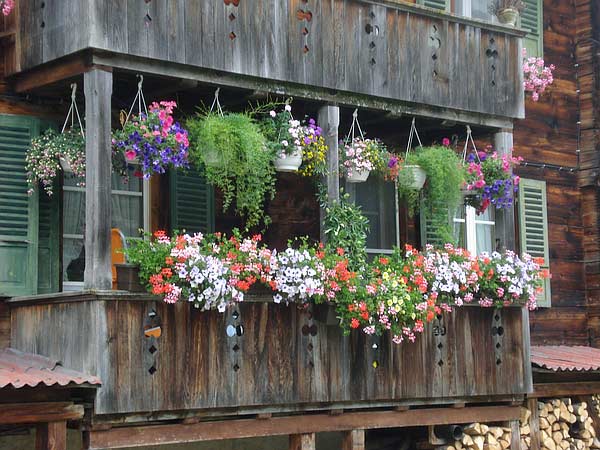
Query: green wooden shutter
[[430, 232], [192, 202], [532, 21], [533, 224], [19, 218], [48, 242], [436, 4]]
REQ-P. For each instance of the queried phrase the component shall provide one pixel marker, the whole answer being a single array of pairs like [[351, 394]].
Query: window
[[377, 198], [532, 22], [476, 9], [474, 232], [129, 214]]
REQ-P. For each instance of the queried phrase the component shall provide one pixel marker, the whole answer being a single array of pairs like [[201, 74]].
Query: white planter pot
[[418, 176], [288, 163], [358, 176], [65, 165], [508, 16], [212, 158]]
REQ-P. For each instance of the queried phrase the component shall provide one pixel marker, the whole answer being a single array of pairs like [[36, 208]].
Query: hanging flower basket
[[417, 176], [357, 176], [65, 164], [288, 163]]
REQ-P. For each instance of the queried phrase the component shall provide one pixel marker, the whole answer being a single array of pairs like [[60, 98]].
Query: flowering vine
[[537, 76]]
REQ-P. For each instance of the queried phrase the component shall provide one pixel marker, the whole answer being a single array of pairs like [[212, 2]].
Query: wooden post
[[98, 90], [302, 441], [329, 121], [515, 435], [505, 218], [51, 436], [534, 423], [353, 440]]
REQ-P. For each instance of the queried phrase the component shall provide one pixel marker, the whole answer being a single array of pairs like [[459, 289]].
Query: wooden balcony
[[172, 359], [380, 54]]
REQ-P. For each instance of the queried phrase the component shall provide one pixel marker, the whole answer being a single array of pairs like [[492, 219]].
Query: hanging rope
[[139, 100], [73, 112], [216, 103], [413, 133], [474, 148], [355, 125]]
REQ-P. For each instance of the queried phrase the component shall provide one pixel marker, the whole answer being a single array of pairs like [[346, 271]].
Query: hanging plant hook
[[216, 103], [73, 112], [413, 133], [351, 134], [474, 147], [139, 99]]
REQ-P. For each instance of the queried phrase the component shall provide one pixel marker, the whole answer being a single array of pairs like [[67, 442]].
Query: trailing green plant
[[236, 159], [345, 227], [149, 253], [442, 191]]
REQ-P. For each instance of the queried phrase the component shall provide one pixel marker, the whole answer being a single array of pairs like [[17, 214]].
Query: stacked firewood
[[478, 436], [565, 425]]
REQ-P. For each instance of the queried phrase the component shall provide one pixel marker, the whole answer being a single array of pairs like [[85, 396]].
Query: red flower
[[354, 323], [169, 261], [257, 237], [384, 261], [365, 315], [350, 307], [340, 251]]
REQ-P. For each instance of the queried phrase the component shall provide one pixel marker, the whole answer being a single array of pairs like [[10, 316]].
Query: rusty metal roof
[[18, 369], [561, 358]]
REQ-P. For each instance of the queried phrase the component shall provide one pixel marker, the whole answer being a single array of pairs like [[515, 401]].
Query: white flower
[[288, 108], [272, 113], [284, 143]]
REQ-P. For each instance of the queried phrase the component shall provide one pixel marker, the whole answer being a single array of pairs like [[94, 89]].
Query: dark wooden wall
[[282, 360], [4, 325], [549, 135]]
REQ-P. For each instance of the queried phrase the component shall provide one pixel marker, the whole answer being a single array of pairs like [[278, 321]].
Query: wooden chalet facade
[[281, 372]]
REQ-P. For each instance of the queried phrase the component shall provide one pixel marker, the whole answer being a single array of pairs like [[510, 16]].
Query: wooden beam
[[505, 218], [62, 69], [534, 423], [14, 413], [353, 440], [304, 441], [515, 435], [98, 91], [541, 390], [51, 436], [140, 436], [329, 121], [342, 98]]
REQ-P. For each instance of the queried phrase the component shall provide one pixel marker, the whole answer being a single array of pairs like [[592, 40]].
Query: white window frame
[[471, 221], [70, 286], [464, 8]]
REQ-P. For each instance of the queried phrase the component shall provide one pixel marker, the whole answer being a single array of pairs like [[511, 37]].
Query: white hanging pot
[[65, 165], [358, 176], [508, 16], [212, 158], [288, 163], [418, 176]]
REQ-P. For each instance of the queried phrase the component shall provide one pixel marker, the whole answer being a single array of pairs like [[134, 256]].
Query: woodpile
[[478, 436]]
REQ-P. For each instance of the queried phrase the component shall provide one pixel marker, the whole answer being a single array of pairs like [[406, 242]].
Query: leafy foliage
[[237, 161]]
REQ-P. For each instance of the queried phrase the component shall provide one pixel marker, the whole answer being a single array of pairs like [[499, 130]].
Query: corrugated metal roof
[[18, 369], [564, 358]]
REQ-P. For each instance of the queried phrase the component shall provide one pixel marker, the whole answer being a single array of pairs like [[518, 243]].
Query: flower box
[[128, 278]]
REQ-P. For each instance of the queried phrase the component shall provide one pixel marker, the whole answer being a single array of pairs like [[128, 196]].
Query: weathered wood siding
[[283, 360], [549, 135], [381, 49]]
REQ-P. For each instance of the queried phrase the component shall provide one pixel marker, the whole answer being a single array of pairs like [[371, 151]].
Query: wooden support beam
[[98, 91], [51, 436], [50, 73], [141, 436], [515, 435], [546, 390], [353, 440], [15, 413], [534, 423], [304, 441], [329, 121]]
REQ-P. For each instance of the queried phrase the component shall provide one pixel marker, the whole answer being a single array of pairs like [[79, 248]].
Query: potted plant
[[47, 154], [154, 140], [284, 136], [360, 156], [7, 6], [507, 11], [536, 75], [490, 180], [442, 192], [246, 174]]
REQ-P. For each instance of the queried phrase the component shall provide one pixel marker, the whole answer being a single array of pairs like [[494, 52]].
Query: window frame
[[471, 221]]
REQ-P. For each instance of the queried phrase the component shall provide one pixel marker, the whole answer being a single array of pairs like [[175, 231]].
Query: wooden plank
[[545, 390], [515, 435], [14, 413], [534, 423], [51, 436], [141, 436], [304, 441], [98, 91], [329, 120], [51, 73], [353, 440]]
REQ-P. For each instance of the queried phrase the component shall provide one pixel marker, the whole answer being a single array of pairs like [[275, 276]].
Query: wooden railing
[[263, 357], [382, 49]]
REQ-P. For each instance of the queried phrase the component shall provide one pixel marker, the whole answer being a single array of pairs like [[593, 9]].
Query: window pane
[[376, 198], [73, 212], [479, 10], [485, 238], [73, 259], [459, 228], [127, 214]]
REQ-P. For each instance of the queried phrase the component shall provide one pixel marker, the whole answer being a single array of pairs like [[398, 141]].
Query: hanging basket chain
[[216, 103], [73, 112], [139, 100], [413, 133], [355, 125], [474, 147]]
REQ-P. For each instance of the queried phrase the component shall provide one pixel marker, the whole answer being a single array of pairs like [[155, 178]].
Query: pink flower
[[130, 154], [446, 142]]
